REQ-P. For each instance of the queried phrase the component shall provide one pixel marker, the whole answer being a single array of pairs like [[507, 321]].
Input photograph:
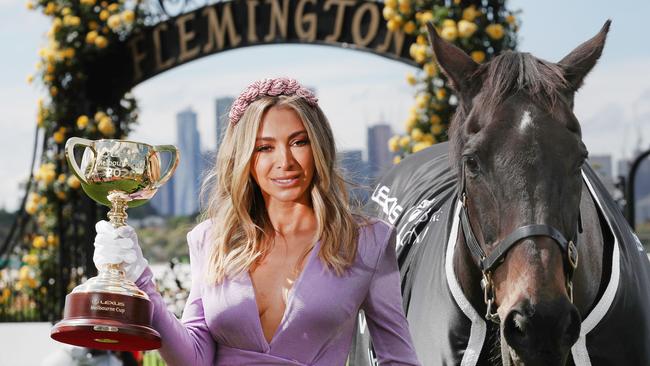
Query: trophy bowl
[[108, 311]]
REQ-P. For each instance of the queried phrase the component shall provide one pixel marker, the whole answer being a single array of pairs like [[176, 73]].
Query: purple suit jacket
[[221, 325]]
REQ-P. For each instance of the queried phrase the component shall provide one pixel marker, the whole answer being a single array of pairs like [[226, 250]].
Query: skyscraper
[[222, 108], [355, 171], [379, 157], [163, 201], [188, 174]]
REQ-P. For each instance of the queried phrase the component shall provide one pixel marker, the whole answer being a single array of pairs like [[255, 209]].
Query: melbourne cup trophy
[[109, 311]]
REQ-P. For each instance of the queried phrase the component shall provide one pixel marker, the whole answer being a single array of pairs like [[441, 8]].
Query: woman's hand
[[119, 245]]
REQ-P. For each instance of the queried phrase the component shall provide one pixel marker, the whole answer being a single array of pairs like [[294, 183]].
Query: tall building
[[163, 201], [379, 157], [188, 174], [222, 108]]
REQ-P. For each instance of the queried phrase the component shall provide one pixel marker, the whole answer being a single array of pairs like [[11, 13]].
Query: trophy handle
[[69, 152], [175, 156]]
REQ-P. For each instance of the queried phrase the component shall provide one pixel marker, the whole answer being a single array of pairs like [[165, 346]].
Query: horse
[[510, 249]]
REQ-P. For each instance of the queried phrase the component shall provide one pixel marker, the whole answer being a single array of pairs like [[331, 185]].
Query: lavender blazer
[[221, 325]]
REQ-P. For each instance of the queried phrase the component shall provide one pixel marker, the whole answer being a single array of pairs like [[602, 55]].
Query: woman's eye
[[301, 142], [263, 148]]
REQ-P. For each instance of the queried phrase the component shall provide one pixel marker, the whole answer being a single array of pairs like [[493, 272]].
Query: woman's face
[[283, 162]]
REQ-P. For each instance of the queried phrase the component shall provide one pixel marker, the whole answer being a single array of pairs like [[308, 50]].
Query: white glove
[[115, 246]]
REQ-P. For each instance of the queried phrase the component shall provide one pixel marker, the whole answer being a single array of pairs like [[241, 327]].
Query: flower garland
[[483, 31]]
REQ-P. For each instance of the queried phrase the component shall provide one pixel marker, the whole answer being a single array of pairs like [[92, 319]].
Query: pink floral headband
[[272, 88]]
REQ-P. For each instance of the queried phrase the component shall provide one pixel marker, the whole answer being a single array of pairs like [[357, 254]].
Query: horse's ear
[[580, 61], [453, 62]]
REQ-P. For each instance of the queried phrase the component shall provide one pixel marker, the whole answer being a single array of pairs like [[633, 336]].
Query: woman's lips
[[285, 182]]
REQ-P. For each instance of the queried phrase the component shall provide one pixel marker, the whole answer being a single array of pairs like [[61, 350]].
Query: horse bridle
[[489, 262]]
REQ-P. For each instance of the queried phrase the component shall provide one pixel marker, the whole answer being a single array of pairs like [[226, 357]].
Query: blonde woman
[[281, 266]]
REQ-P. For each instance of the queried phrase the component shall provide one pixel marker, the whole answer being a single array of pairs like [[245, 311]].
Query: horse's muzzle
[[542, 333]]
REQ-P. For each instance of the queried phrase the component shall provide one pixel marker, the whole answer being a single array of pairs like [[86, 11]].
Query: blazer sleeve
[[383, 308], [186, 341]]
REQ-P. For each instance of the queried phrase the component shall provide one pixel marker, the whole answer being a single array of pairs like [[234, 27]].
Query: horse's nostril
[[520, 322], [515, 328]]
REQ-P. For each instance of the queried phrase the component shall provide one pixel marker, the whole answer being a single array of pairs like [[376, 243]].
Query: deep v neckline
[[287, 305]]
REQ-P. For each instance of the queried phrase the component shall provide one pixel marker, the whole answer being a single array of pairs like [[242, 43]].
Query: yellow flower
[[54, 91], [388, 13], [101, 42], [29, 5], [466, 29], [61, 195], [99, 115], [30, 78], [411, 121], [113, 7], [68, 53], [50, 8], [410, 78], [390, 4], [59, 136], [31, 208], [103, 15], [436, 129], [61, 178], [66, 11], [397, 159], [128, 16], [429, 138], [426, 17], [410, 27], [441, 94], [52, 240], [106, 126], [24, 273], [30, 259], [421, 146], [38, 242], [510, 19], [448, 23], [449, 33], [71, 20], [82, 122], [422, 40], [435, 119], [404, 142], [91, 37], [88, 2], [417, 134], [422, 100], [495, 31], [477, 56], [6, 292], [73, 182], [470, 13], [114, 21], [430, 69], [92, 25], [392, 25], [404, 6], [393, 143]]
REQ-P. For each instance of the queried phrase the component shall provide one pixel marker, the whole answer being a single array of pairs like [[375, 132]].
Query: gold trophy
[[109, 311]]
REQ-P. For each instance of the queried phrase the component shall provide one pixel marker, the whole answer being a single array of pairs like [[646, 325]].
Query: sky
[[355, 89]]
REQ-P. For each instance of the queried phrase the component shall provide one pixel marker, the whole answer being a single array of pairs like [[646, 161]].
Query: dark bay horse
[[510, 249]]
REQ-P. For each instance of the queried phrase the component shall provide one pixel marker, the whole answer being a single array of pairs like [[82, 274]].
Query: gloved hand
[[114, 246]]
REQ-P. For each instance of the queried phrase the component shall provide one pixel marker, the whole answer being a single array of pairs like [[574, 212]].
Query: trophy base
[[107, 321], [106, 335]]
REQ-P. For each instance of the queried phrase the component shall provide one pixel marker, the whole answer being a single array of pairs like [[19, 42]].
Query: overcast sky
[[355, 89]]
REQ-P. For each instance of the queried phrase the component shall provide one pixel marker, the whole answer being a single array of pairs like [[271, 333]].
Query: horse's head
[[518, 149]]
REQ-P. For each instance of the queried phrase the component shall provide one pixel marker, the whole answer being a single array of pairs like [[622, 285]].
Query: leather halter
[[489, 262]]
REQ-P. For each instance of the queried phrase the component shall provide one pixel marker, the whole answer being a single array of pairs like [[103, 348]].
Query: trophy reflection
[[109, 311]]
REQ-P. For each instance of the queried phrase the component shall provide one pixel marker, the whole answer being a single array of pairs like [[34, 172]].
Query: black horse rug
[[419, 198]]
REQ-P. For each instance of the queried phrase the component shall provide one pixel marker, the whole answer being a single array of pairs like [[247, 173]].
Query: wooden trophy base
[[107, 321]]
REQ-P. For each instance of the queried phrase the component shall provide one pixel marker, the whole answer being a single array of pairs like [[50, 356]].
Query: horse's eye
[[472, 165]]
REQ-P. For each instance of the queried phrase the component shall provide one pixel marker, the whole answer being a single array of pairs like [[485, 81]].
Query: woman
[[280, 267]]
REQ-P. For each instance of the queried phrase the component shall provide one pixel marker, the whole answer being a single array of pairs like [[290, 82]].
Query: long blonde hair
[[240, 226]]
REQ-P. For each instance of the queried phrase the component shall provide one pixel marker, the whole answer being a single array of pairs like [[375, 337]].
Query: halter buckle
[[488, 297], [569, 290], [572, 255]]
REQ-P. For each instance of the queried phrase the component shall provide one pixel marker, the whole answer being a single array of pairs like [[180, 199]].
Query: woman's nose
[[285, 158]]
